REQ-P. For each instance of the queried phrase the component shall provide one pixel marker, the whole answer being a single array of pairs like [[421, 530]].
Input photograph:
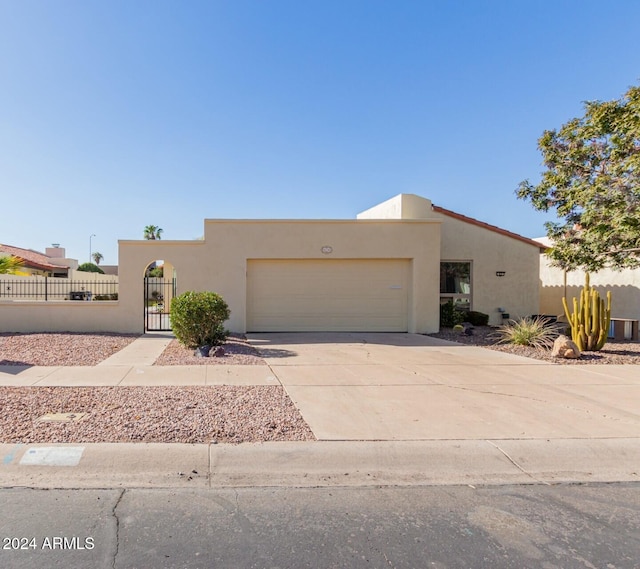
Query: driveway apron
[[378, 386]]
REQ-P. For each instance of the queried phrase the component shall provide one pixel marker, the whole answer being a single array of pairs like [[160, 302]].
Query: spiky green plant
[[590, 319], [534, 332]]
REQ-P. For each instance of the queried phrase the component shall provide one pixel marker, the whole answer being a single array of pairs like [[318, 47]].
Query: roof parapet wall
[[411, 206], [402, 206]]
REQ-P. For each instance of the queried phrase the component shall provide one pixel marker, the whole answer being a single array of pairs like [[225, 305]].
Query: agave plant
[[534, 332]]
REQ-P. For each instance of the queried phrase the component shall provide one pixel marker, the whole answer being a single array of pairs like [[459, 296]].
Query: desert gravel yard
[[66, 349], [225, 414], [60, 349], [614, 352], [222, 413], [237, 351]]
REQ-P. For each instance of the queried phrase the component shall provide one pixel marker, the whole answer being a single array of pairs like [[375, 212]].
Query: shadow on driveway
[[264, 339], [12, 367]]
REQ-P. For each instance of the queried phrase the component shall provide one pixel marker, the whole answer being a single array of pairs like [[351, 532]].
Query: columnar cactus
[[590, 319]]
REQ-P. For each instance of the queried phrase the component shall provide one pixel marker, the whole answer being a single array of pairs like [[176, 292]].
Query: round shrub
[[450, 315], [477, 318], [197, 319]]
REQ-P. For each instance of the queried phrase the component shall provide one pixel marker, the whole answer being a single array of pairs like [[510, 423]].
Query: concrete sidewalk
[[143, 351], [386, 408], [133, 366]]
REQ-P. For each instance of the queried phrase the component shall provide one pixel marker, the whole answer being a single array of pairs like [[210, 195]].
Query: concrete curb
[[321, 464]]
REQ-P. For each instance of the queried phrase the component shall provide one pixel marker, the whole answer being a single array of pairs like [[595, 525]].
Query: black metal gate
[[157, 301]]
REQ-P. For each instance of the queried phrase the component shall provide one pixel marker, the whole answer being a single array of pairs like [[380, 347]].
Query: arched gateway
[[159, 289]]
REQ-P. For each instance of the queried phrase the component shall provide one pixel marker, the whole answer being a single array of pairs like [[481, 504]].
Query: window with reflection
[[455, 283]]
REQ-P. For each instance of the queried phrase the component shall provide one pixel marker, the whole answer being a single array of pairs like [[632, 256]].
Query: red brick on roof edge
[[31, 258], [488, 226]]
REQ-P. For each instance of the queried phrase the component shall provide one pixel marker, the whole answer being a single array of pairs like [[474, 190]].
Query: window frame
[[455, 296]]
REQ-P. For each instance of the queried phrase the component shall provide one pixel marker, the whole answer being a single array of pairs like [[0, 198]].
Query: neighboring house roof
[[488, 226], [30, 257]]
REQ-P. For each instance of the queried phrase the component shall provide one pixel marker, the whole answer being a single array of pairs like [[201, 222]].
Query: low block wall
[[68, 316]]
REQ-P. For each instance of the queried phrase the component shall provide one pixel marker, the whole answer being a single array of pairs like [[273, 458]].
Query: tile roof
[[30, 257], [488, 226]]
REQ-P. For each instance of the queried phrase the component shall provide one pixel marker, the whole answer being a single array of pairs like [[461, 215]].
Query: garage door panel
[[330, 295]]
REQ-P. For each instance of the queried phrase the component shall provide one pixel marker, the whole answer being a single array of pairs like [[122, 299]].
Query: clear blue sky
[[119, 114]]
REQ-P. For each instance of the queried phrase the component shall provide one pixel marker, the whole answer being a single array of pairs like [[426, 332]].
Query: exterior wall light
[[500, 273]]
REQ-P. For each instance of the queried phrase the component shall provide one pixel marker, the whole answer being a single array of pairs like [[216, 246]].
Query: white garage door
[[327, 295]]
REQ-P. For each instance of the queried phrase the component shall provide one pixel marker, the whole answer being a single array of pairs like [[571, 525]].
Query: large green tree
[[592, 182], [10, 264]]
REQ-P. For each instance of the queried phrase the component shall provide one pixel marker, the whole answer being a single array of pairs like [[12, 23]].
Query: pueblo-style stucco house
[[387, 270]]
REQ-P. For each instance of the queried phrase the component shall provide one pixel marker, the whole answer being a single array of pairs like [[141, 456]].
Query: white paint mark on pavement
[[52, 456]]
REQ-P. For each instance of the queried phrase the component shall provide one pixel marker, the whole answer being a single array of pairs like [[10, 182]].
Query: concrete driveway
[[377, 386]]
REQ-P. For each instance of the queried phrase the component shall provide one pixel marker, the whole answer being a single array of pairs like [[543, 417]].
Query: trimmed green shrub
[[450, 315], [477, 318], [112, 296], [197, 319], [90, 268], [533, 332]]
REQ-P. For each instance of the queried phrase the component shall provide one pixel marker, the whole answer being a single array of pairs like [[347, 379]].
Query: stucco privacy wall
[[624, 286], [67, 316], [489, 249], [126, 315], [219, 262], [38, 315]]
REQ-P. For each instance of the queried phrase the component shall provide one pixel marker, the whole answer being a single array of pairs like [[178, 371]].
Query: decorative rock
[[467, 329], [218, 352], [565, 347], [202, 352]]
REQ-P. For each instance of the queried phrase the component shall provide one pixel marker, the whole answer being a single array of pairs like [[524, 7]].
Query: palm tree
[[10, 265], [152, 232], [97, 257]]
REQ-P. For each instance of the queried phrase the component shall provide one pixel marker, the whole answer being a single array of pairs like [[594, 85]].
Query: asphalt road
[[440, 527]]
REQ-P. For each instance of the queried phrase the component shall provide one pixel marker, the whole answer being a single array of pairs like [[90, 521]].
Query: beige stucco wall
[[402, 206], [34, 314], [219, 262], [517, 291], [624, 286], [488, 251], [66, 316]]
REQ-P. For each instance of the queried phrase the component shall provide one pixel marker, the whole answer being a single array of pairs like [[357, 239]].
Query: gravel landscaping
[[60, 349], [224, 414], [237, 352], [614, 352], [221, 413]]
